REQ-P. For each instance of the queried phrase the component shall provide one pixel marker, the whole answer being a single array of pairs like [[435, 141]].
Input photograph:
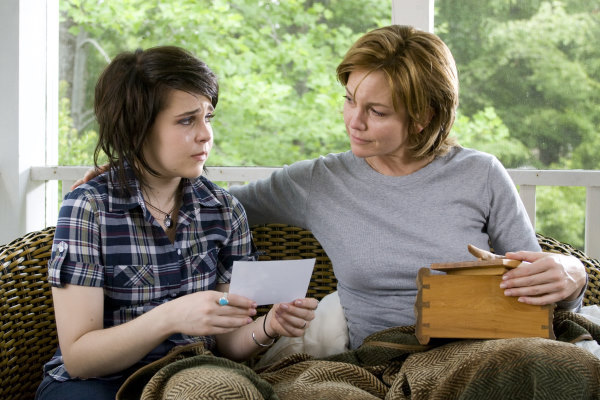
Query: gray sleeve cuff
[[573, 305]]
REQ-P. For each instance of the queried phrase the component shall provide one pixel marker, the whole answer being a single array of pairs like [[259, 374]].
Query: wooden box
[[467, 302]]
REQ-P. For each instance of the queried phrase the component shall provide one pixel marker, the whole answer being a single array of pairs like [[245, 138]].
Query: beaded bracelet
[[261, 344], [265, 329]]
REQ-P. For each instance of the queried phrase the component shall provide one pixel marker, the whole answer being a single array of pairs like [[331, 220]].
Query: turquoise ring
[[223, 300]]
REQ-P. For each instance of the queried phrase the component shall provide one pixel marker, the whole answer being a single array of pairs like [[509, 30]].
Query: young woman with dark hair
[[143, 253]]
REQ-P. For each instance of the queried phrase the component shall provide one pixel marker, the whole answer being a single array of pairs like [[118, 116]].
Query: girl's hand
[[291, 319], [544, 278], [200, 314]]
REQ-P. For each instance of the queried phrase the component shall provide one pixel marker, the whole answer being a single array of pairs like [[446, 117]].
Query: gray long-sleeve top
[[380, 230]]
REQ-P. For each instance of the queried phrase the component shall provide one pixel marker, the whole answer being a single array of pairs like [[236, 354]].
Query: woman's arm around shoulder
[[280, 198]]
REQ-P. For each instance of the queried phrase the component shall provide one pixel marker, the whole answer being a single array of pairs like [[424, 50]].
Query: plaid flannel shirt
[[107, 239]]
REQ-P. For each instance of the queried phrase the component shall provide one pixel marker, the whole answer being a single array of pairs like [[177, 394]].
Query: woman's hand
[[200, 314], [291, 319], [284, 319], [544, 278], [90, 174]]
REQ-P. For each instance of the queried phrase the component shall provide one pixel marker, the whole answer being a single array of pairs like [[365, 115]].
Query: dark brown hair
[[422, 76], [130, 93]]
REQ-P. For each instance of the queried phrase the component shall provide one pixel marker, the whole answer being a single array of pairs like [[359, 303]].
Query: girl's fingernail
[[285, 306], [298, 303]]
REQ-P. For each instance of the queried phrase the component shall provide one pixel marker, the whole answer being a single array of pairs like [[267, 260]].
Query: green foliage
[[536, 62], [279, 98], [586, 156], [560, 213], [75, 149], [485, 131]]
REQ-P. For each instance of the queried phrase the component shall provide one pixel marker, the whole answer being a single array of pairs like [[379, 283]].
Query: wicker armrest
[[27, 328]]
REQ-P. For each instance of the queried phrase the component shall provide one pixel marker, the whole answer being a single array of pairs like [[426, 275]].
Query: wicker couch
[[28, 331]]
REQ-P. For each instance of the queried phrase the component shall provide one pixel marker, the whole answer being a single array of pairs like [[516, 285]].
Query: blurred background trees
[[529, 72], [279, 99]]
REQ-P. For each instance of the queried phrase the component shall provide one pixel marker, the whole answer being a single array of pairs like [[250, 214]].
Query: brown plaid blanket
[[391, 364]]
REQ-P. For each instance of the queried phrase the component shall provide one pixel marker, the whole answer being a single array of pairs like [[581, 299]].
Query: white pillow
[[593, 314], [326, 335]]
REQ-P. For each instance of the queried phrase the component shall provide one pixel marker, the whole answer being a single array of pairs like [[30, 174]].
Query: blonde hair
[[422, 75]]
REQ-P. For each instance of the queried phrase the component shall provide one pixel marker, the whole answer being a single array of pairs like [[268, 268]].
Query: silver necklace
[[167, 220]]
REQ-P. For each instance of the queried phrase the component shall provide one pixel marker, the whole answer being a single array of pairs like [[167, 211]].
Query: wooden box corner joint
[[467, 303]]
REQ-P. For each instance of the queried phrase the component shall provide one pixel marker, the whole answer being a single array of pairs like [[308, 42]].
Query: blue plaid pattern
[[107, 239]]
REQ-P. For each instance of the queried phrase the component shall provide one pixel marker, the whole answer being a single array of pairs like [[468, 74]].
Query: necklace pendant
[[168, 221]]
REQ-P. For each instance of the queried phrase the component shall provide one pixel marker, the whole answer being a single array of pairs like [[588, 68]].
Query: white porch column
[[27, 57], [418, 13]]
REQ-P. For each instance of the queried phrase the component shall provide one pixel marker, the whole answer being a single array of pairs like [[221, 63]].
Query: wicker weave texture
[[28, 332], [285, 242]]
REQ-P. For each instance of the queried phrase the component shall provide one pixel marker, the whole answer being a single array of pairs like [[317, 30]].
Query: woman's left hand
[[291, 319], [544, 278]]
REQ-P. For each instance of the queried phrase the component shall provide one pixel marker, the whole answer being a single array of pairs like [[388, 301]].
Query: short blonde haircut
[[422, 76]]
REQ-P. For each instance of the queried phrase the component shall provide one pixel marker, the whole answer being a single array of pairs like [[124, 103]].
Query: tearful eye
[[209, 117], [186, 121]]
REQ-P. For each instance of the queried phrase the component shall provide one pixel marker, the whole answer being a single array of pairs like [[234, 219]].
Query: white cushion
[[326, 335], [593, 314]]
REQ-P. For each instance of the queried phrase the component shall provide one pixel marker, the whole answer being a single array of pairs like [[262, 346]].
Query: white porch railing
[[526, 180]]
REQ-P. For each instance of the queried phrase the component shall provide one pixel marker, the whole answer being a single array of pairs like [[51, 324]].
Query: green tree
[[485, 131], [75, 149], [536, 62], [561, 213], [279, 99]]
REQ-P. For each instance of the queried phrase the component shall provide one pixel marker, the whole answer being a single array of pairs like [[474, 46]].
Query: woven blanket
[[391, 364]]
